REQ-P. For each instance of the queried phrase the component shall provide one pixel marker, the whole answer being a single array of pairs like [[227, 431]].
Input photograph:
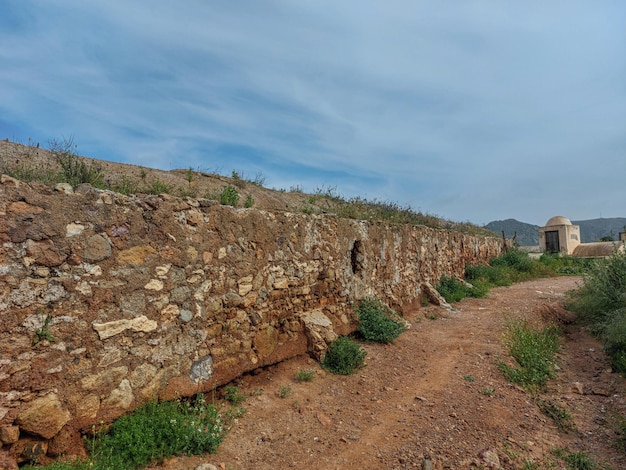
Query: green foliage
[[249, 202], [601, 304], [233, 395], [454, 290], [305, 375], [576, 460], [469, 378], [513, 266], [377, 322], [515, 259], [155, 431], [284, 391], [344, 356], [43, 333], [229, 196], [534, 352], [565, 265], [75, 169], [159, 430]]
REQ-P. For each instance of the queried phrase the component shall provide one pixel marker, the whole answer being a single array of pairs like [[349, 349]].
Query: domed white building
[[559, 236]]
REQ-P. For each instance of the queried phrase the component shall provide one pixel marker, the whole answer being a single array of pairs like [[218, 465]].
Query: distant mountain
[[527, 234], [594, 229], [590, 230]]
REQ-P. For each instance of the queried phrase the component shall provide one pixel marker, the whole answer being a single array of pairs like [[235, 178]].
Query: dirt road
[[432, 399]]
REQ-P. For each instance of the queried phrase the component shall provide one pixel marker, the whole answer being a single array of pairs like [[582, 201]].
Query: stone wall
[[107, 301]]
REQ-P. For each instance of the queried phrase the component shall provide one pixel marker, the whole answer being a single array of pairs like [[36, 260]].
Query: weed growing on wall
[[377, 322], [344, 356]]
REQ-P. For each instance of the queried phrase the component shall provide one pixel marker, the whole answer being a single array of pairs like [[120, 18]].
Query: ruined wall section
[[107, 301]]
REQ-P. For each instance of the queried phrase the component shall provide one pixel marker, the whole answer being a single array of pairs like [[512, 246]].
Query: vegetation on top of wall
[[601, 305], [67, 166]]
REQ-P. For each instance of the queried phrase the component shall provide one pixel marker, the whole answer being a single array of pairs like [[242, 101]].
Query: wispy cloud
[[470, 110]]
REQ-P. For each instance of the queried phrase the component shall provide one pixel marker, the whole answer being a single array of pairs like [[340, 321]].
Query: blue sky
[[469, 110]]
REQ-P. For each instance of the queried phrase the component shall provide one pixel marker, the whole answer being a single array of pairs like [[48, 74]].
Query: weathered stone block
[[44, 416]]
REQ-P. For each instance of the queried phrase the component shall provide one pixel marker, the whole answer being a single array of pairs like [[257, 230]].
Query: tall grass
[[533, 351], [601, 304]]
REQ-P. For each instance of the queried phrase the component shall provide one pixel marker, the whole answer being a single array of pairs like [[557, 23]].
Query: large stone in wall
[[265, 341], [44, 416], [97, 248], [44, 253]]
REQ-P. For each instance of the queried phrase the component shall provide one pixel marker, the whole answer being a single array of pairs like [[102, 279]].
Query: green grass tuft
[[533, 351]]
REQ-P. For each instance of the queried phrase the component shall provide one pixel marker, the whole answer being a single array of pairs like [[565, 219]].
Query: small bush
[[75, 169], [454, 290], [233, 395], [377, 322], [305, 375], [601, 304], [249, 202], [154, 432], [344, 356], [534, 351], [229, 196], [284, 391]]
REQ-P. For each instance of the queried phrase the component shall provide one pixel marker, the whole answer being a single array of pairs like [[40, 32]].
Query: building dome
[[558, 220]]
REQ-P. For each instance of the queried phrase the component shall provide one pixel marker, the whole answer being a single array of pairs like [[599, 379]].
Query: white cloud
[[470, 110]]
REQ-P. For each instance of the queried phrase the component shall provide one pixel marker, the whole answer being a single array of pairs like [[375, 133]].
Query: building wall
[[107, 301], [569, 237]]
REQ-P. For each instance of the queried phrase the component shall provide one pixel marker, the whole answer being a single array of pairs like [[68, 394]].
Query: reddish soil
[[433, 399]]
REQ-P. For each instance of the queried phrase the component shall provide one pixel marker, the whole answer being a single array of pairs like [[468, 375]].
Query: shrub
[[344, 356], [601, 304], [284, 391], [229, 196], [249, 202], [377, 322], [534, 351], [305, 375], [454, 290], [152, 432], [74, 168], [233, 395]]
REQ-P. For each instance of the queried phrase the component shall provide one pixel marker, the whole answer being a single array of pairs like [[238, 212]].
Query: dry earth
[[433, 399]]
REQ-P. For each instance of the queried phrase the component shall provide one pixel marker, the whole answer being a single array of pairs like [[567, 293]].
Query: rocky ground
[[433, 399]]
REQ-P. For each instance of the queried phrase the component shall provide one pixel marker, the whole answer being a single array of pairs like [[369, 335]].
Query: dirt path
[[435, 394]]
